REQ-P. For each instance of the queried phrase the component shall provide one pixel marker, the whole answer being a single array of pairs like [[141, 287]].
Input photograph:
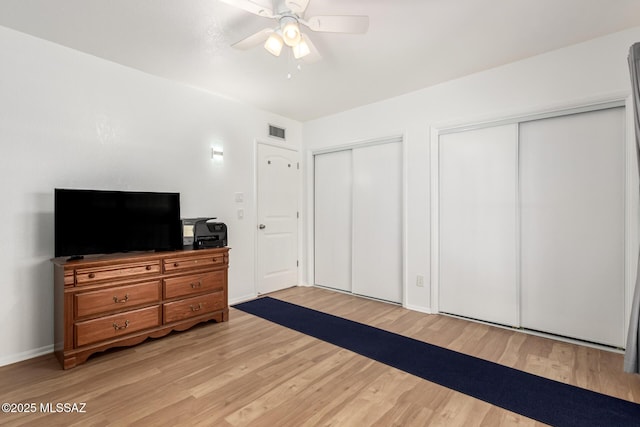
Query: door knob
[[262, 226]]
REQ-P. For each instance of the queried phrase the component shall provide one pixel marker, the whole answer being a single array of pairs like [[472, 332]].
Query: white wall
[[68, 119], [72, 120], [571, 76]]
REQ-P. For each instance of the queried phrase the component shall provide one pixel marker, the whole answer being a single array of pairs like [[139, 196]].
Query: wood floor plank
[[251, 372]]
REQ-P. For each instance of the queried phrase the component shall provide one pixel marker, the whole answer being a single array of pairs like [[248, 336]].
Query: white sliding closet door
[[377, 221], [332, 223], [478, 224], [358, 220], [572, 193]]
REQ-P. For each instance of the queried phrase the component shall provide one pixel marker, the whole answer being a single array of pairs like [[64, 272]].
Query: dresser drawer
[[86, 276], [116, 298], [181, 264], [193, 284], [194, 306], [104, 328]]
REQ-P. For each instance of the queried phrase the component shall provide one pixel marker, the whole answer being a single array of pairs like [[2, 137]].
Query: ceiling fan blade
[[251, 7], [314, 55], [338, 24], [297, 6], [253, 40]]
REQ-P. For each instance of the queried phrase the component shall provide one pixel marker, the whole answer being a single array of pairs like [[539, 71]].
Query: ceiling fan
[[289, 14]]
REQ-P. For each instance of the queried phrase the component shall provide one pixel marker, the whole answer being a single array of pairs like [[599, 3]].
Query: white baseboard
[[25, 355], [419, 309], [242, 299]]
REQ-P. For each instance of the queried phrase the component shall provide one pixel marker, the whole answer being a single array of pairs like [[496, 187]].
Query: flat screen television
[[101, 222]]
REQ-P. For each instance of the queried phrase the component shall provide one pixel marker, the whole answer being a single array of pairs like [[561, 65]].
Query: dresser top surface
[[135, 257]]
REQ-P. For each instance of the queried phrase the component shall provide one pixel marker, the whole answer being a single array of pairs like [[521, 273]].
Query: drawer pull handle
[[215, 260], [197, 284], [118, 327], [91, 275], [176, 264], [195, 308], [148, 267], [121, 301]]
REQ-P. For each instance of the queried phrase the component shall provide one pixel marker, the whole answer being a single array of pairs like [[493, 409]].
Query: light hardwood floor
[[250, 372]]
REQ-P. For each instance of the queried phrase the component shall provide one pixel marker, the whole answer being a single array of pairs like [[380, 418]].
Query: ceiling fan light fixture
[[274, 44], [301, 49], [290, 31], [290, 15]]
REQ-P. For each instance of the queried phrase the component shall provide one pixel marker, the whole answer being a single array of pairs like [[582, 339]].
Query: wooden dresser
[[121, 300]]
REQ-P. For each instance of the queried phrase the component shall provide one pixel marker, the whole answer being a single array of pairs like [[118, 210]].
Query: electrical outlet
[[420, 281]]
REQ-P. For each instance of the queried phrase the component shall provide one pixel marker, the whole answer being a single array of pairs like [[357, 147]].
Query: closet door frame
[[631, 183], [310, 161]]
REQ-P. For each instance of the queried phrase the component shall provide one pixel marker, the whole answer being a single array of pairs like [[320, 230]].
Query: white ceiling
[[411, 44]]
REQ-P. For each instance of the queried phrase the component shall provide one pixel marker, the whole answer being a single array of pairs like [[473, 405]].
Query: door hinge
[[297, 263], [298, 165], [298, 214]]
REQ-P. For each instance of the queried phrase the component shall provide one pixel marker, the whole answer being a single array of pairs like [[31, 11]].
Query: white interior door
[[478, 224], [332, 219], [277, 197], [377, 221], [572, 192]]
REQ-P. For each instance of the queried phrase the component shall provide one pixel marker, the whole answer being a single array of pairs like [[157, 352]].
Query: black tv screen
[[101, 222]]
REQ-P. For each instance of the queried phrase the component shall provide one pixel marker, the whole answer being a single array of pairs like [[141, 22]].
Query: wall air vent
[[277, 132]]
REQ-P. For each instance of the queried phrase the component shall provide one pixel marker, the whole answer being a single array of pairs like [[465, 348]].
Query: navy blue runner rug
[[542, 399]]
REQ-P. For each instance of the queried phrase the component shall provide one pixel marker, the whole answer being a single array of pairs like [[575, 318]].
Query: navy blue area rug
[[545, 400]]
